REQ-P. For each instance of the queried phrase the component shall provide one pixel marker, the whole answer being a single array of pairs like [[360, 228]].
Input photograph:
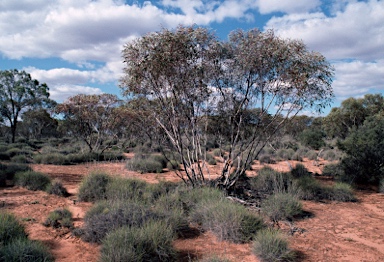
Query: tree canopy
[[19, 93], [190, 76]]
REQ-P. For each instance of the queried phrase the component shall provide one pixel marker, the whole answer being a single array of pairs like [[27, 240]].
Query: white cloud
[[354, 32], [60, 93], [358, 78], [287, 6]]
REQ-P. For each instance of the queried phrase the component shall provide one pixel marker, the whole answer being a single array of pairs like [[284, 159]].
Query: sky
[[75, 45]]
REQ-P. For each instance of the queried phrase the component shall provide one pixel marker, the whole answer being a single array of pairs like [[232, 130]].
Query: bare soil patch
[[334, 232]]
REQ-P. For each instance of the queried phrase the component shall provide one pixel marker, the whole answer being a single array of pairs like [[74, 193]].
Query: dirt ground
[[332, 232]]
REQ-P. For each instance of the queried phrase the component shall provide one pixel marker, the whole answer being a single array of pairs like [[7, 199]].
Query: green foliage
[[20, 159], [266, 159], [269, 181], [57, 188], [281, 206], [227, 220], [120, 189], [32, 180], [93, 187], [311, 155], [334, 170], [214, 259], [312, 138], [23, 249], [59, 218], [173, 165], [364, 148], [8, 171], [10, 229], [271, 246], [342, 192], [299, 171], [285, 154], [51, 158], [151, 242], [145, 164], [105, 217]]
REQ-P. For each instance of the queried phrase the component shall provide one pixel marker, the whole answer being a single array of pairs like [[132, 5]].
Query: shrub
[[125, 189], [93, 187], [23, 249], [227, 220], [334, 170], [312, 138], [281, 206], [266, 159], [299, 171], [269, 181], [57, 188], [151, 242], [8, 171], [143, 164], [10, 229], [173, 165], [342, 192], [105, 217], [285, 154], [381, 186], [32, 180], [59, 218], [311, 155], [19, 159], [51, 158], [210, 159], [271, 246], [214, 259], [218, 152], [192, 197]]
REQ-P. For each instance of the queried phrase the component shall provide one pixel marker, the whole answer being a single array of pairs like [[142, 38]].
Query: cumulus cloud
[[357, 78], [355, 31], [287, 6], [60, 93]]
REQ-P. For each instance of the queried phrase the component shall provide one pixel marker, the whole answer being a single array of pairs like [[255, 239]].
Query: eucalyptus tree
[[249, 85], [94, 119], [20, 93]]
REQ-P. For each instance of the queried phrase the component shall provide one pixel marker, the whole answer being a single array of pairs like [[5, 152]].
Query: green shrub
[[271, 246], [312, 138], [210, 159], [266, 159], [192, 197], [214, 259], [59, 218], [57, 188], [144, 164], [218, 152], [381, 186], [173, 165], [9, 170], [281, 206], [10, 229], [170, 209], [285, 154], [342, 192], [311, 155], [125, 189], [23, 249], [151, 242], [32, 180], [334, 170], [227, 220], [51, 158], [105, 217], [20, 159], [93, 187], [299, 171], [269, 181]]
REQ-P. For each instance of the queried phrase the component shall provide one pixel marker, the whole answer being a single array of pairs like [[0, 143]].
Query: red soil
[[334, 231]]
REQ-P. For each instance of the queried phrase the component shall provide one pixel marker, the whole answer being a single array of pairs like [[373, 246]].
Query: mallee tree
[[250, 85]]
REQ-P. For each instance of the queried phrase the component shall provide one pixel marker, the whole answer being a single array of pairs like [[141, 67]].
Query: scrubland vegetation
[[211, 146]]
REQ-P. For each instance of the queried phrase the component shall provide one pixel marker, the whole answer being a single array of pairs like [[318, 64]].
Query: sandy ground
[[333, 232]]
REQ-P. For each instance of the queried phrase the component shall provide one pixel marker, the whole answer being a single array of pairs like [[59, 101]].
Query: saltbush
[[151, 242], [281, 206], [105, 217], [59, 218], [271, 246], [299, 171], [144, 164], [57, 188], [227, 220], [333, 170], [269, 181], [23, 249], [10, 229], [32, 180], [125, 189], [93, 187]]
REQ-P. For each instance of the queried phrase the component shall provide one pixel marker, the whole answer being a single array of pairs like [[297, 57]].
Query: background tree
[[364, 146], [192, 78], [94, 119], [37, 124], [19, 93]]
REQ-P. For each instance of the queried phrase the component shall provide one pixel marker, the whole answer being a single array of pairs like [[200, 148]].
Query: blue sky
[[75, 45]]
